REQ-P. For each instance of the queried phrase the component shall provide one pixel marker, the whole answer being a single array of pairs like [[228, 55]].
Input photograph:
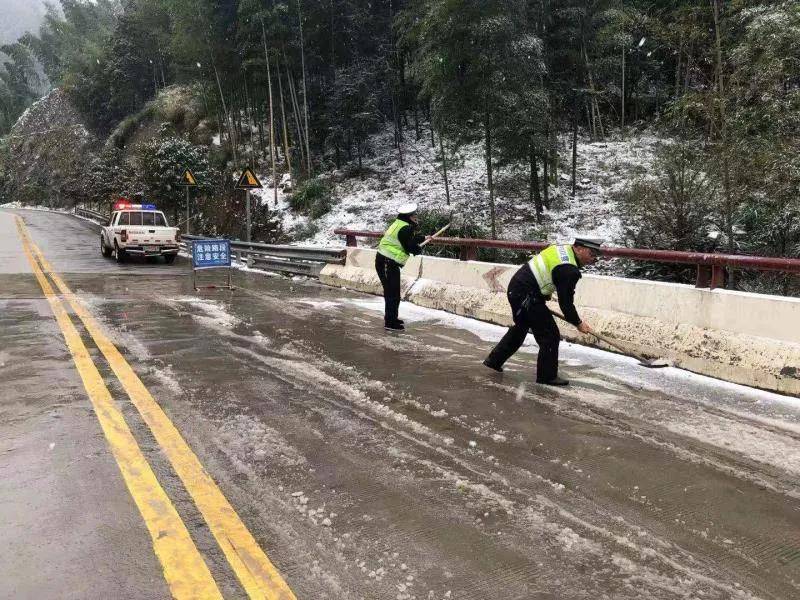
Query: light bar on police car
[[128, 206]]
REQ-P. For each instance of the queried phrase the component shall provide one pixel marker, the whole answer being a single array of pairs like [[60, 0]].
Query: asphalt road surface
[[274, 442]]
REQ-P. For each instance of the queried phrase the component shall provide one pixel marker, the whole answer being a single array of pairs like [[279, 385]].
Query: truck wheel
[[169, 258], [105, 250], [119, 255]]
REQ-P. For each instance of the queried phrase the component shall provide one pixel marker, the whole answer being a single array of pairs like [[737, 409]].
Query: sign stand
[[211, 254], [188, 180], [248, 181]]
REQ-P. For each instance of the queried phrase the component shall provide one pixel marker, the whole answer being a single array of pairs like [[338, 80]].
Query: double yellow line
[[184, 569]]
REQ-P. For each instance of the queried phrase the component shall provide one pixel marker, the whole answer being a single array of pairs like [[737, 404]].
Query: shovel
[[650, 363], [435, 235]]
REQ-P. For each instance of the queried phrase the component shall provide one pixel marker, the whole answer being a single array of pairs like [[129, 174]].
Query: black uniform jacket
[[408, 238], [565, 278]]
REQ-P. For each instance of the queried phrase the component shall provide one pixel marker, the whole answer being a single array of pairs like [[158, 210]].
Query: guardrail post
[[703, 277], [352, 242], [718, 276], [710, 277], [468, 253]]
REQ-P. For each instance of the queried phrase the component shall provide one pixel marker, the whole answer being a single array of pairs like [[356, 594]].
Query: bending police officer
[[395, 248], [555, 269]]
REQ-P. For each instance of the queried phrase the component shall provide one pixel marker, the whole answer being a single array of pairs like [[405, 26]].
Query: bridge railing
[[711, 267]]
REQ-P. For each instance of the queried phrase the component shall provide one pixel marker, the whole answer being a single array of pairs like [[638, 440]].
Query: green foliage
[[6, 179], [105, 178], [305, 231], [431, 221], [673, 211], [20, 83], [313, 198], [159, 166]]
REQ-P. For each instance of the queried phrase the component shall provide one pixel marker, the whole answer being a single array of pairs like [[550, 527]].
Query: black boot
[[396, 326], [555, 381], [497, 368]]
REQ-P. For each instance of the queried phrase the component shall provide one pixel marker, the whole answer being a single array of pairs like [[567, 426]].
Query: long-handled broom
[[650, 363]]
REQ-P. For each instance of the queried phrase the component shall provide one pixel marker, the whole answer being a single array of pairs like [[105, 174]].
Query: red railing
[[711, 268]]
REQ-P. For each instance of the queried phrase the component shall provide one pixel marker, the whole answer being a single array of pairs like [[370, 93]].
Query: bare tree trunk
[[622, 118], [678, 66], [261, 143], [283, 119], [729, 206], [250, 119], [271, 119], [161, 65], [534, 196], [430, 125], [489, 171], [596, 116], [574, 148], [397, 135], [305, 90], [296, 113], [552, 142], [444, 169], [332, 60], [545, 183], [228, 120]]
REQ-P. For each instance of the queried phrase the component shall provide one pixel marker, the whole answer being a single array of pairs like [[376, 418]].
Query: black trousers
[[530, 313], [389, 274]]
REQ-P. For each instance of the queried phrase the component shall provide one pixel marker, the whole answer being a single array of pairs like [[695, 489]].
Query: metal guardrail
[[292, 260], [90, 214], [711, 268]]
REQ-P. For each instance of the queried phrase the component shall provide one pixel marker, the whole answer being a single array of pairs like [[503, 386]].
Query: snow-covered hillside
[[604, 168]]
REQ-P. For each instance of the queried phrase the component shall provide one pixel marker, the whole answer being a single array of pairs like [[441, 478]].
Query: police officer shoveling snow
[[556, 269]]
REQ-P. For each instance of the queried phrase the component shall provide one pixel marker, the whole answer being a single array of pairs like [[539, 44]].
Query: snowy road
[[369, 465]]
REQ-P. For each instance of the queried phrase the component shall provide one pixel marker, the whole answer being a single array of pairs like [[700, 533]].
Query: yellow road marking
[[186, 574], [258, 576]]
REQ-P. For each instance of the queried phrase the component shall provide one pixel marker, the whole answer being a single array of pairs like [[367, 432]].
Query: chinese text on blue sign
[[207, 254]]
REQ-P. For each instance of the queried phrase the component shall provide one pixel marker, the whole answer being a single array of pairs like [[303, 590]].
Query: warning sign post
[[188, 180], [248, 181]]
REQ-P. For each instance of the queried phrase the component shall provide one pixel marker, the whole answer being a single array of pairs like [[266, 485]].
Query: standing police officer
[[396, 247], [554, 269]]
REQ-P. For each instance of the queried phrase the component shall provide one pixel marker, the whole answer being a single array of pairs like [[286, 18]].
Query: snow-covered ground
[[604, 169]]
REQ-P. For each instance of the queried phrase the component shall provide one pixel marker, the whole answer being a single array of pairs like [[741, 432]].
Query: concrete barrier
[[751, 339]]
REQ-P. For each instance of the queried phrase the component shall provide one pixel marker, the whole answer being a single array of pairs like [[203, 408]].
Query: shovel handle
[[599, 336], [435, 235]]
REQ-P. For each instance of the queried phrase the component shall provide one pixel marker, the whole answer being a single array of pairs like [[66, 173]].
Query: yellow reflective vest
[[390, 245], [542, 265]]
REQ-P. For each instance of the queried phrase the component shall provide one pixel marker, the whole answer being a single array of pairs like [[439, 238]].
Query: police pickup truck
[[139, 230]]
